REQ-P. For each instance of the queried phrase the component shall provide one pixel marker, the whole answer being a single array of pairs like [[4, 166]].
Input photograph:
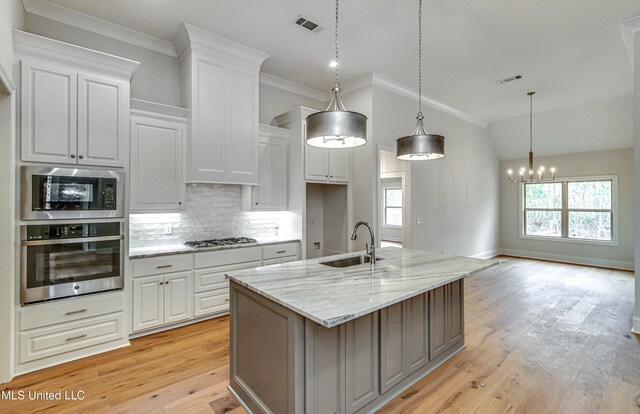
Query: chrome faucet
[[354, 236]]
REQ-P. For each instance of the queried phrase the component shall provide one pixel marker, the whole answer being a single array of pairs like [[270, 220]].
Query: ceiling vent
[[507, 80], [308, 24]]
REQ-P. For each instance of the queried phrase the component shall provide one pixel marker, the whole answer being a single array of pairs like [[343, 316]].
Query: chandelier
[[531, 178]]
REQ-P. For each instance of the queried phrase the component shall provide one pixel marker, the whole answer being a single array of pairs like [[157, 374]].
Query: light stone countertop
[[331, 296], [166, 250]]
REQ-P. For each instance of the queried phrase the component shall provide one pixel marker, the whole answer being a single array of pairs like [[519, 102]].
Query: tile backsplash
[[211, 211]]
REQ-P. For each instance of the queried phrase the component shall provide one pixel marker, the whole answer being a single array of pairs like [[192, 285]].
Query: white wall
[[274, 101], [614, 162], [593, 126], [156, 80], [11, 17], [457, 196]]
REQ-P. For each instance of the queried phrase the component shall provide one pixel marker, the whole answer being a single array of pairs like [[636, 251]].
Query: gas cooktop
[[230, 241]]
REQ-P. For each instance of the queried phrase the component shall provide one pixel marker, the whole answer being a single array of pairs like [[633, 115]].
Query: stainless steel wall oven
[[63, 260], [71, 193]]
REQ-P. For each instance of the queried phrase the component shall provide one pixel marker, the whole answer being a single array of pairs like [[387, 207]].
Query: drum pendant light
[[420, 145], [336, 127]]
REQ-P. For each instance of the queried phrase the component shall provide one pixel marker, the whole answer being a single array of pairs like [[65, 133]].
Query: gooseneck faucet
[[354, 235]]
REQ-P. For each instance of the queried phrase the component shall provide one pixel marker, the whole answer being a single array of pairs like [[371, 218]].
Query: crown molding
[[157, 110], [6, 84], [293, 87], [633, 24], [46, 9], [373, 78], [43, 47], [190, 37]]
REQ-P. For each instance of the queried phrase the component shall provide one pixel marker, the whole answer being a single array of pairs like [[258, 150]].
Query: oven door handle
[[69, 241]]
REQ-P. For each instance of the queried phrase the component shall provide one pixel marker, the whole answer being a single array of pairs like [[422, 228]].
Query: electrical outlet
[[316, 246], [168, 229]]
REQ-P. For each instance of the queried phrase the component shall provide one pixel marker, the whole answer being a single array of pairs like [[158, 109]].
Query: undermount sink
[[350, 261]]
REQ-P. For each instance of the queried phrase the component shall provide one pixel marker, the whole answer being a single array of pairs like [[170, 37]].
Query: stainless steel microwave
[[71, 193]]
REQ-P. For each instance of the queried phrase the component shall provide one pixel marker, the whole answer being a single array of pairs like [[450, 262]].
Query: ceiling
[[569, 51]]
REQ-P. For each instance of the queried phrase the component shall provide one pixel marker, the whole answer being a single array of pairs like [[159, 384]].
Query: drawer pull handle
[[75, 312], [75, 338], [281, 251], [163, 266]]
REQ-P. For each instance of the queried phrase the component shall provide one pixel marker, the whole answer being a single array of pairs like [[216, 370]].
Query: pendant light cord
[[531, 121], [419, 58], [337, 84]]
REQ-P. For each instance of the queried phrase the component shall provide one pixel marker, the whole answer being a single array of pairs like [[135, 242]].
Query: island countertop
[[331, 296]]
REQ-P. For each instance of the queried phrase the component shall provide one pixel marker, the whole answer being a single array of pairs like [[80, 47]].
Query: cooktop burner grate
[[230, 241]]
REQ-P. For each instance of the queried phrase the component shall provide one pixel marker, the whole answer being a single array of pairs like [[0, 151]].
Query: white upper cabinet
[[157, 156], [220, 88], [272, 192], [74, 103], [326, 165]]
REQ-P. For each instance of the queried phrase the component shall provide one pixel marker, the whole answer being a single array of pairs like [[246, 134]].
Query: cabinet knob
[[73, 155], [81, 156], [179, 203], [162, 283], [256, 204], [331, 176], [326, 176]]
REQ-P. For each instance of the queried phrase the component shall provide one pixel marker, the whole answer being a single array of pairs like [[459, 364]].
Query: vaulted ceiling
[[569, 51]]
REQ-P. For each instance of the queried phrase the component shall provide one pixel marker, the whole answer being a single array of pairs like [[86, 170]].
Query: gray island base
[[294, 349]]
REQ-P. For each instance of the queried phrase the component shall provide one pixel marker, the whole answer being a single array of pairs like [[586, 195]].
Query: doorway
[[393, 199]]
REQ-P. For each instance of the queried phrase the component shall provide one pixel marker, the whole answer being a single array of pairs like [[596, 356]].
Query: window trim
[[385, 207], [565, 215]]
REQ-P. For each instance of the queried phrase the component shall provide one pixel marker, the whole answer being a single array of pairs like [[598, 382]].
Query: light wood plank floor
[[542, 338]]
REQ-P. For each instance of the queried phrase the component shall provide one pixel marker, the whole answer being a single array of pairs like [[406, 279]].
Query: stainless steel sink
[[350, 261]]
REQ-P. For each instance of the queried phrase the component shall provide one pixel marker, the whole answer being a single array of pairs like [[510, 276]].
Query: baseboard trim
[[588, 261], [486, 255]]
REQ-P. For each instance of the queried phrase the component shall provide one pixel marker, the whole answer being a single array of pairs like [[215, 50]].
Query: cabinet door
[[148, 302], [207, 151], [103, 107], [361, 374], [339, 165], [48, 113], [417, 315], [437, 322], [392, 346], [271, 194], [241, 140], [157, 181], [325, 373], [316, 163], [455, 322], [178, 297]]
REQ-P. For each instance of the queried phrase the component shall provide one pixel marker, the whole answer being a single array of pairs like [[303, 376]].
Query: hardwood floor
[[541, 338]]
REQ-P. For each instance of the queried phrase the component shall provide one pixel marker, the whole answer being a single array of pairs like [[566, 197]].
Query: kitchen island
[[310, 338]]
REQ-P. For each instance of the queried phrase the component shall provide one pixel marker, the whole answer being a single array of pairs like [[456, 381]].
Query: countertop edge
[[188, 250], [346, 318]]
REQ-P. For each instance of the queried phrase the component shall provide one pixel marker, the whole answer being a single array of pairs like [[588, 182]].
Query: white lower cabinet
[[162, 299], [58, 331], [176, 288]]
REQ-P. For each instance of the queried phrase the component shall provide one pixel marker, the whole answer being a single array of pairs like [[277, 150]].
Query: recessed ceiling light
[[333, 64]]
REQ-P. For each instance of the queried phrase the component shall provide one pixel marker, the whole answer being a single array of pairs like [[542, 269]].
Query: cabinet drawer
[[161, 264], [227, 257], [37, 316], [279, 250], [269, 262], [214, 277], [69, 337], [211, 302]]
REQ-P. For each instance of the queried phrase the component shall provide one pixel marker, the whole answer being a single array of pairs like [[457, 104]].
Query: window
[[573, 209], [393, 207]]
